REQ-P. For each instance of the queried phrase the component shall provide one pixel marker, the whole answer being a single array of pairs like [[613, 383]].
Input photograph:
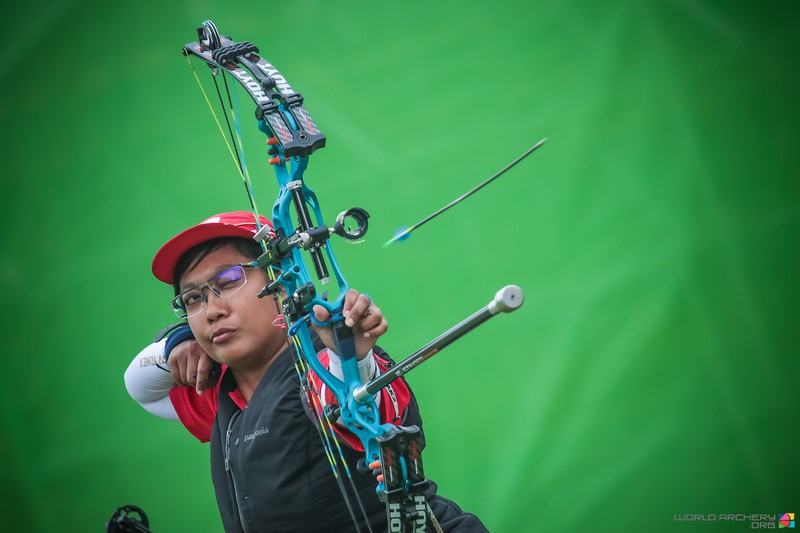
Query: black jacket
[[271, 473]]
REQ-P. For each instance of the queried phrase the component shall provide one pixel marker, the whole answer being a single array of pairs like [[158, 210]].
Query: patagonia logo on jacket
[[256, 433]]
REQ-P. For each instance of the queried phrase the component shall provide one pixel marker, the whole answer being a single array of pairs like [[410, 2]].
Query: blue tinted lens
[[229, 279]]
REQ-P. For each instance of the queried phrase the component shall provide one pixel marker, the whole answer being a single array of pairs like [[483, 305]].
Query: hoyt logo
[[395, 516], [252, 85], [420, 506], [395, 521], [280, 82]]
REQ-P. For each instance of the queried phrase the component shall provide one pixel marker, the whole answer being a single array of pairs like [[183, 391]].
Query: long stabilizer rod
[[507, 299]]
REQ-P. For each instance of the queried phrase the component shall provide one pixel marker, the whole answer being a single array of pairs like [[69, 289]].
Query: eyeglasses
[[192, 301]]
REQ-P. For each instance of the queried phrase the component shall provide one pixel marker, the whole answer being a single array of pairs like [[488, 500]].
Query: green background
[[653, 368]]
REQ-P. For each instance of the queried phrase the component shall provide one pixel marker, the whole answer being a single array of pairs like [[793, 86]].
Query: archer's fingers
[[204, 366], [177, 364], [356, 307], [320, 313], [174, 370], [190, 373], [376, 331], [371, 318]]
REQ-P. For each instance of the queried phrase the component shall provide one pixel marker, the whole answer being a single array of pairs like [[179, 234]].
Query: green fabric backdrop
[[653, 368]]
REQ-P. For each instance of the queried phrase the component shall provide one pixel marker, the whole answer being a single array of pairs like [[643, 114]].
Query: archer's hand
[[362, 315], [192, 367]]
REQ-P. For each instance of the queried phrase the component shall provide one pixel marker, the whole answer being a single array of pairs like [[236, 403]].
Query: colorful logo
[[786, 520]]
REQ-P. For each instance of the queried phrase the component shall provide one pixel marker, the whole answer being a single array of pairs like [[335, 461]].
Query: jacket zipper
[[230, 472]]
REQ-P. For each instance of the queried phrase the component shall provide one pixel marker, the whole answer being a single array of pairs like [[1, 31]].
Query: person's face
[[237, 329]]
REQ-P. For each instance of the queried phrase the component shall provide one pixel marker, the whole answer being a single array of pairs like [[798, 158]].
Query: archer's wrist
[[367, 366], [176, 336]]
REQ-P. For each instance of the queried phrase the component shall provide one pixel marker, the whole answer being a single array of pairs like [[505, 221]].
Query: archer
[[268, 468]]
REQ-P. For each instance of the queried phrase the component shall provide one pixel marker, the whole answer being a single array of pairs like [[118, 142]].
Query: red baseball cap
[[233, 224]]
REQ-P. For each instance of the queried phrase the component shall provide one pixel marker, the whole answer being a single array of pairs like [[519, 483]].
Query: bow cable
[[231, 144]]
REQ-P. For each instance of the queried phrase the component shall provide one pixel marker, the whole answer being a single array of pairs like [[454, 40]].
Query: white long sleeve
[[149, 381], [367, 369]]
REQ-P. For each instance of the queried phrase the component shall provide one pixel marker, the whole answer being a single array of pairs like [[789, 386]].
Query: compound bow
[[292, 136]]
